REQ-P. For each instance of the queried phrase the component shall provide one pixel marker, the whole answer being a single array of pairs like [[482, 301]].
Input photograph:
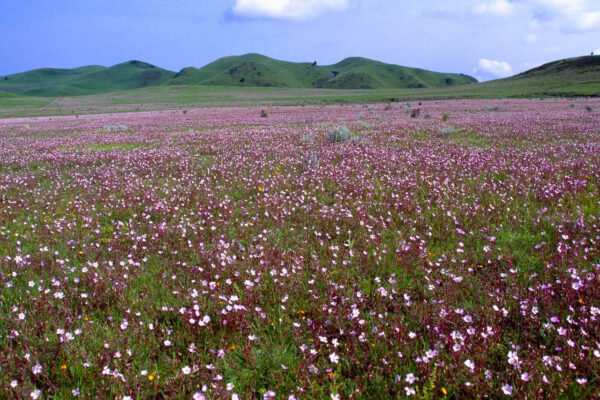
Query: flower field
[[220, 254]]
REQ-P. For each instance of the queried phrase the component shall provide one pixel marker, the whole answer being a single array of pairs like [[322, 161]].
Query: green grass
[[576, 78], [112, 146], [52, 82], [351, 73], [250, 70]]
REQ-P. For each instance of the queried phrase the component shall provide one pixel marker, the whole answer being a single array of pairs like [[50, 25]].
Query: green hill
[[351, 73], [251, 70], [43, 78], [52, 82], [579, 76], [362, 73], [570, 77]]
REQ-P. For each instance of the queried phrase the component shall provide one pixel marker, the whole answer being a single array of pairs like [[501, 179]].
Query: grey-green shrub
[[115, 128], [339, 134]]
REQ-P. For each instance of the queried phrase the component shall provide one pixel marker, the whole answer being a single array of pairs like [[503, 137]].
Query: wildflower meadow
[[317, 252]]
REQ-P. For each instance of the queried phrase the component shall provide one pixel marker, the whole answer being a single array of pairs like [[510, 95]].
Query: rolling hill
[[362, 73], [250, 70], [52, 82], [351, 73], [571, 77]]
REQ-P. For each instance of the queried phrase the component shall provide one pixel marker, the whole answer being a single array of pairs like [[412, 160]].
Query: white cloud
[[597, 52], [501, 8], [566, 15], [570, 15], [487, 69], [285, 9]]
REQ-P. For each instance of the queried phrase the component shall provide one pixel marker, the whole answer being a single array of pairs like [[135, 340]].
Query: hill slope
[[85, 80], [362, 73], [579, 76], [251, 70], [351, 73]]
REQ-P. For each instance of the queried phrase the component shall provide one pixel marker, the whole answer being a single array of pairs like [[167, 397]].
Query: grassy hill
[[351, 73], [53, 82], [575, 77], [362, 73], [579, 76], [250, 70]]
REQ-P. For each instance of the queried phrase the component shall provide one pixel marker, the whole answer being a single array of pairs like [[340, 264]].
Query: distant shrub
[[115, 128], [491, 108], [589, 109], [308, 138], [445, 117], [387, 108], [449, 130], [427, 116], [415, 113], [343, 134], [339, 134], [312, 160], [263, 114]]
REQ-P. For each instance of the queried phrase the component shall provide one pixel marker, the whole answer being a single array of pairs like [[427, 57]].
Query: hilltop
[[250, 70], [571, 77], [54, 82], [351, 73]]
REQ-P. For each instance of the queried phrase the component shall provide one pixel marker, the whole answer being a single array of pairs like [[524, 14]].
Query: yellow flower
[[63, 367], [260, 188], [151, 376], [232, 347], [444, 391]]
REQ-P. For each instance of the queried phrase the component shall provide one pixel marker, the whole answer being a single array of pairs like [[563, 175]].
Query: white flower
[[525, 377], [470, 364], [235, 396], [581, 381], [21, 316], [35, 394], [507, 389], [186, 370], [198, 396], [412, 335], [167, 343], [410, 378], [334, 358], [269, 395], [409, 391], [13, 384], [513, 359], [335, 396], [37, 369]]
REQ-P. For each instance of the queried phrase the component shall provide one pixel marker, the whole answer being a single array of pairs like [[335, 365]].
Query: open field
[[193, 88], [163, 98], [213, 252]]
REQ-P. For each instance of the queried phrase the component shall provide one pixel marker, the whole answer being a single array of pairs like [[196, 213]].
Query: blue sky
[[484, 38]]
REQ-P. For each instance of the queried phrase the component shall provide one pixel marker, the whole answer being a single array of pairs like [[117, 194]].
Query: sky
[[487, 39]]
